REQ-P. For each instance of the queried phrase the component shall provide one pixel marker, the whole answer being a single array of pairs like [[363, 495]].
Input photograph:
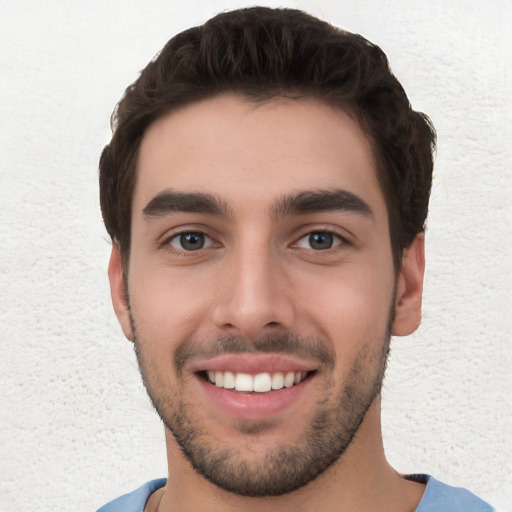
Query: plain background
[[76, 428]]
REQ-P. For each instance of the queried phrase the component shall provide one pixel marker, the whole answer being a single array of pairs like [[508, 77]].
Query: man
[[266, 189]]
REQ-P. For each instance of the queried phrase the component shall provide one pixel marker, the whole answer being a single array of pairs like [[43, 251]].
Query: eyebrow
[[170, 201], [321, 201]]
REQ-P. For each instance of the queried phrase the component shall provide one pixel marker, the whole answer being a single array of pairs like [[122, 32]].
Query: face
[[261, 287]]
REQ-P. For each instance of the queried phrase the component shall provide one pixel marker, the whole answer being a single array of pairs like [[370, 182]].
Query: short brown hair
[[261, 53]]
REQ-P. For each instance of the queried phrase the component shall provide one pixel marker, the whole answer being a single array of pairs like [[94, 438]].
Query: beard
[[275, 470]]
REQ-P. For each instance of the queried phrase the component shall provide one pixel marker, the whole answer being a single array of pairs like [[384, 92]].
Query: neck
[[360, 480]]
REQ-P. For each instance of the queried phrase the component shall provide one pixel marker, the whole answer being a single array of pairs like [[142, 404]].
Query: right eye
[[190, 241]]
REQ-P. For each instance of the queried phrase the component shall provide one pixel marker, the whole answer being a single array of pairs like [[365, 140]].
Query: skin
[[258, 276]]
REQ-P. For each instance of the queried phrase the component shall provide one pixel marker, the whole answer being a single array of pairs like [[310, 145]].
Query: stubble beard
[[283, 469]]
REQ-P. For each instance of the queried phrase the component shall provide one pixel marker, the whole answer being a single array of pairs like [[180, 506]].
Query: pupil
[[321, 241], [192, 241]]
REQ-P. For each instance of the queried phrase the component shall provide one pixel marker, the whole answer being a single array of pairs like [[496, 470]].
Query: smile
[[254, 386], [259, 383]]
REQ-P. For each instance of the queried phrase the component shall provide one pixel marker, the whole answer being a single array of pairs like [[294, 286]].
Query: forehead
[[250, 152]]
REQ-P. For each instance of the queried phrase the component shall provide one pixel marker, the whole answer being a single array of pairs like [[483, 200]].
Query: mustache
[[284, 344]]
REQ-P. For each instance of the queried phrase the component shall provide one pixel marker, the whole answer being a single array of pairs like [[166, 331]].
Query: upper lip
[[253, 364]]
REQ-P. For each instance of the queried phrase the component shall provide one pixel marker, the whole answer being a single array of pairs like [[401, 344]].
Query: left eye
[[190, 241], [319, 241]]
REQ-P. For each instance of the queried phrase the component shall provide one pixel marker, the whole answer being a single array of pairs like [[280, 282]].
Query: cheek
[[349, 307], [167, 308]]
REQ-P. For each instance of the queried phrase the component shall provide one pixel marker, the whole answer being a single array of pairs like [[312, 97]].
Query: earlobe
[[118, 291], [410, 289]]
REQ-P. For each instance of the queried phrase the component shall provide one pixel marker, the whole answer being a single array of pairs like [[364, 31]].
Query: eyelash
[[338, 240], [167, 243]]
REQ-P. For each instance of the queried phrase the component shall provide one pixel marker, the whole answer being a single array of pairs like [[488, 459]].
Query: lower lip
[[253, 405]]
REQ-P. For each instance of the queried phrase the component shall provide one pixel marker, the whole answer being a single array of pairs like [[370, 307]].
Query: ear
[[118, 291], [410, 288]]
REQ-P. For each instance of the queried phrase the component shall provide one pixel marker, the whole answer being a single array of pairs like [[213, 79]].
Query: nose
[[253, 295]]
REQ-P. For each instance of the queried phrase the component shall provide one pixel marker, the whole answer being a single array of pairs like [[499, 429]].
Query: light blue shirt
[[438, 497]]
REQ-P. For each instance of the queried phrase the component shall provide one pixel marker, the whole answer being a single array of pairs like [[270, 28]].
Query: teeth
[[260, 383], [229, 380], [289, 380], [277, 381], [243, 382], [219, 379]]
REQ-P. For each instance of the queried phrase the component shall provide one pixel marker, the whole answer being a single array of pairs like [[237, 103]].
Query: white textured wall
[[76, 428]]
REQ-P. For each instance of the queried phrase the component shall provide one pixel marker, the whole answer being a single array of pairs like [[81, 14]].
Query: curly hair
[[263, 53]]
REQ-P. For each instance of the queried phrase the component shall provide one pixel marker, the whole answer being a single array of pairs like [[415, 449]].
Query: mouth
[[263, 382], [254, 387]]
